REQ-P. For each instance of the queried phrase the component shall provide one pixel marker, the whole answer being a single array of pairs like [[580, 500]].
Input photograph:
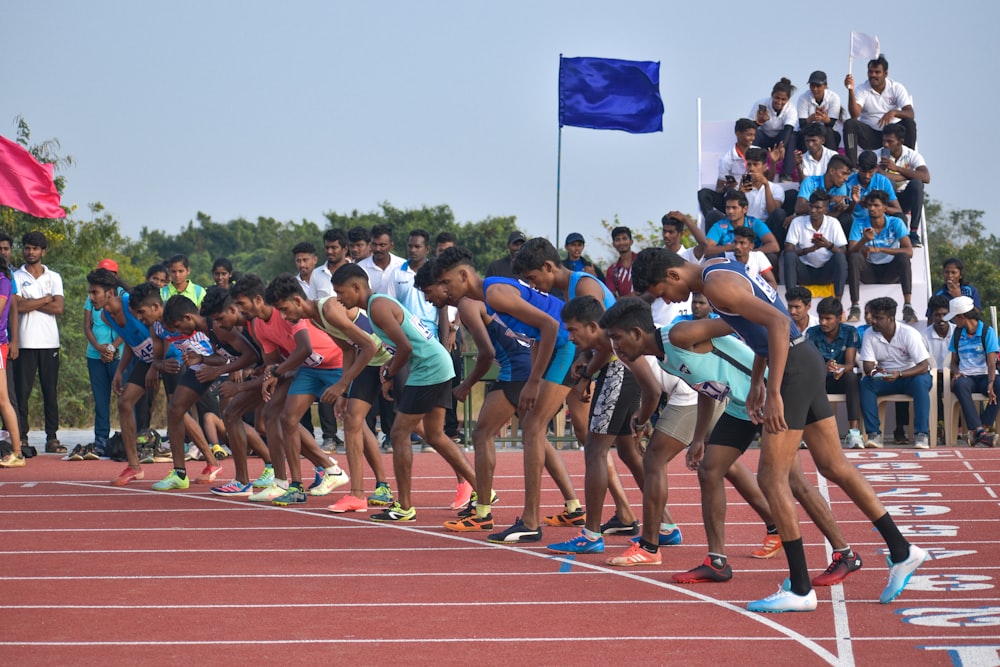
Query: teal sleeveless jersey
[[430, 363]]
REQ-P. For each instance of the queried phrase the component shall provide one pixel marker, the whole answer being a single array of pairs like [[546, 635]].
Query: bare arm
[[471, 312]]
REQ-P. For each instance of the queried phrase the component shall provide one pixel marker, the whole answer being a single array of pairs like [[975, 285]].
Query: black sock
[[648, 546], [899, 548], [771, 529], [181, 472], [798, 571]]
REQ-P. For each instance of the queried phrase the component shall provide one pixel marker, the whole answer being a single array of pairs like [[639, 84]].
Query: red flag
[[26, 184]]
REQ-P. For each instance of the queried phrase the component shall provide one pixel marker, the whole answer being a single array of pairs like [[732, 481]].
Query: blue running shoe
[[900, 573], [581, 544], [671, 539], [318, 479], [785, 600], [382, 496]]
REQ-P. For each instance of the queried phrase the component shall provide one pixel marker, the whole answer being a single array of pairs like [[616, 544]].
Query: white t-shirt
[[377, 275], [800, 235], [757, 200], [757, 262], [807, 104], [38, 330], [679, 392], [873, 105], [938, 345], [664, 313], [732, 164], [776, 121], [812, 167], [908, 159], [904, 351], [320, 282]]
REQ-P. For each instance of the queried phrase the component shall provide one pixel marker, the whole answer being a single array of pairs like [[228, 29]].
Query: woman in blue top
[[15, 459], [955, 284], [973, 367]]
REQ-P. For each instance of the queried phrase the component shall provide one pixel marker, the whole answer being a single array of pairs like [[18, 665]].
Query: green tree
[[961, 233]]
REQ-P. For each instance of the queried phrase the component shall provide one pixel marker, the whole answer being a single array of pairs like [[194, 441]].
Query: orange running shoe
[[127, 475], [469, 524], [462, 496], [577, 518], [635, 555], [771, 547]]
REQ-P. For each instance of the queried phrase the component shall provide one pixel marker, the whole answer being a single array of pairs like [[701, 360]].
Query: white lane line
[[841, 623]]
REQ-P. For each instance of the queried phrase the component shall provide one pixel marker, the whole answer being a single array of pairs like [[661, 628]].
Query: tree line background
[[263, 246]]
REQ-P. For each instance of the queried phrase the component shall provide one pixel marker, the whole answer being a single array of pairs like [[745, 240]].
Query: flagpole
[[558, 181]]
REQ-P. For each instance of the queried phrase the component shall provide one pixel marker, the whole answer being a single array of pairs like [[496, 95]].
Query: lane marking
[[838, 600]]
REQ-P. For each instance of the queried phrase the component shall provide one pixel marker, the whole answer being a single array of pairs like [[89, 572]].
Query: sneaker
[[90, 453], [922, 441], [267, 494], [771, 547], [855, 314], [221, 452], [581, 544], [874, 441], [330, 481], [127, 475], [329, 445], [208, 474], [984, 438], [839, 568], [899, 436], [854, 439], [671, 539], [516, 534], [785, 600], [395, 513], [13, 460], [909, 316], [235, 488], [76, 454], [293, 496], [317, 478], [348, 503], [614, 526], [470, 508], [900, 573], [193, 454], [463, 496], [52, 446], [706, 573], [171, 482], [566, 518], [147, 454], [265, 480], [382, 495], [470, 523], [635, 555], [915, 239]]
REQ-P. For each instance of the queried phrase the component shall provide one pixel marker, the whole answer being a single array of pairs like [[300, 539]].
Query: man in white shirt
[[938, 336], [816, 248], [304, 254], [755, 261], [813, 160], [732, 166], [337, 248], [908, 172], [819, 105], [895, 361], [674, 224], [876, 104], [39, 301], [765, 199], [399, 283], [381, 262]]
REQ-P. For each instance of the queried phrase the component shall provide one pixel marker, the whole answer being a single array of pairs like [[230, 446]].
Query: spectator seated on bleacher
[[819, 105], [955, 284], [863, 181], [908, 172], [816, 248], [813, 158], [732, 166], [879, 254], [839, 344], [974, 368], [764, 198], [776, 122], [755, 261], [719, 239], [834, 183], [895, 361], [937, 338], [875, 104]]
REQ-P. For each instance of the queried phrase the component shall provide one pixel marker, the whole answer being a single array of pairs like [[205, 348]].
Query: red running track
[[95, 575]]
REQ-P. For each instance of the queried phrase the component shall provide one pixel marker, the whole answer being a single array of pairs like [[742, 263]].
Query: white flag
[[864, 47]]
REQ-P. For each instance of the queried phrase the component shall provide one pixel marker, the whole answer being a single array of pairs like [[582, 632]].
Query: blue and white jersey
[[971, 352], [512, 350], [198, 342], [755, 335], [548, 304]]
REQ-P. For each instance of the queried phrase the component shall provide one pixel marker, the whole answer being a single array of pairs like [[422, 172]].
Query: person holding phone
[[732, 166], [816, 248], [776, 121]]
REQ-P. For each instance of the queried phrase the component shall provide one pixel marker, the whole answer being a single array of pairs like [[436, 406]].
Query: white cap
[[960, 305]]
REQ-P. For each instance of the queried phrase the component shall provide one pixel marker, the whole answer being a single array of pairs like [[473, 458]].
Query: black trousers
[[44, 363], [860, 270], [858, 135]]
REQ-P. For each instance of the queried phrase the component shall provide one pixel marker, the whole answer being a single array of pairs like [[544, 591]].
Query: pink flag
[[864, 47], [26, 184]]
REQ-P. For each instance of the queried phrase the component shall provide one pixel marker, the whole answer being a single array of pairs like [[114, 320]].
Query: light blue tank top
[[430, 363]]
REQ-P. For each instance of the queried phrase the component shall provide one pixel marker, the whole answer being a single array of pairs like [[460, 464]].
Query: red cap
[[109, 264]]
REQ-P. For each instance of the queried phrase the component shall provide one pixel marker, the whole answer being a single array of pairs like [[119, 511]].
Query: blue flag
[[609, 94]]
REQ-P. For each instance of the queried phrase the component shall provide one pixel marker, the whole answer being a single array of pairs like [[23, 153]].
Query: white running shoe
[[785, 600], [268, 494], [330, 481], [900, 573]]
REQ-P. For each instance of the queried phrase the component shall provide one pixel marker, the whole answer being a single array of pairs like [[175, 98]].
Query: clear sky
[[296, 108]]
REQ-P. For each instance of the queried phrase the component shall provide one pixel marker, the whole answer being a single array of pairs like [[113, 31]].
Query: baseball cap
[[575, 237], [109, 264], [516, 237], [817, 78], [960, 305]]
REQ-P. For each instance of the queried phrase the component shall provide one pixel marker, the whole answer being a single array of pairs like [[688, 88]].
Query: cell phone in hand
[[745, 179], [884, 152], [761, 108]]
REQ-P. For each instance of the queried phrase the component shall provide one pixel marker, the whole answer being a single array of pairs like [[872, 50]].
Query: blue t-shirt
[[136, 334], [888, 237], [755, 335], [811, 184], [971, 353], [722, 231], [835, 350], [878, 182]]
